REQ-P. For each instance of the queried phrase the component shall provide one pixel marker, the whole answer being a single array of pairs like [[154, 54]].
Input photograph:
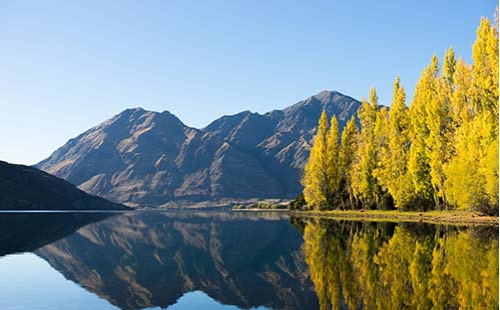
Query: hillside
[[27, 188]]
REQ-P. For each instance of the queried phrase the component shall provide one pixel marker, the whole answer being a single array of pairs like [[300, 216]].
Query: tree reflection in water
[[367, 265]]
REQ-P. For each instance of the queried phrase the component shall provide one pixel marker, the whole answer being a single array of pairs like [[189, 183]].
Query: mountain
[[146, 158], [150, 259], [27, 188]]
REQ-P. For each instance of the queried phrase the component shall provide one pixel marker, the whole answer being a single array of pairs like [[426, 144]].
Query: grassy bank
[[455, 217]]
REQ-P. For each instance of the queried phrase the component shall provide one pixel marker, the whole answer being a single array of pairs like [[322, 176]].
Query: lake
[[241, 260]]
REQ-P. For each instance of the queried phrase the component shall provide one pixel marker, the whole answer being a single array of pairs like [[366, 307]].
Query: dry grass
[[454, 217]]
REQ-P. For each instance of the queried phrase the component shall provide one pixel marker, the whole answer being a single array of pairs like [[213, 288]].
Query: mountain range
[[145, 158]]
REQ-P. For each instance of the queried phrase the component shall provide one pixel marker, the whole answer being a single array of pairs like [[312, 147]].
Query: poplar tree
[[419, 163], [472, 173], [465, 184], [485, 67], [393, 173], [439, 123], [363, 180], [381, 136], [333, 163], [485, 77], [347, 153], [315, 179], [461, 98], [441, 151]]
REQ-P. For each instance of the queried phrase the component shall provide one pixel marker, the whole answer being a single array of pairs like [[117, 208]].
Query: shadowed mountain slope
[[27, 188]]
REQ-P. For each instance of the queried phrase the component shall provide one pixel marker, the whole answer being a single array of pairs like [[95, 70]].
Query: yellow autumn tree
[[472, 173], [392, 173], [347, 153], [315, 179], [440, 127], [364, 183], [419, 162], [334, 164], [485, 76], [440, 152]]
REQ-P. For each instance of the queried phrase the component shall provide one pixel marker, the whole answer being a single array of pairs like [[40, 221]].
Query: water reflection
[[356, 265], [150, 259], [27, 231]]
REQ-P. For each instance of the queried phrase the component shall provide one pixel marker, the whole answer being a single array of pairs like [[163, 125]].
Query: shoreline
[[434, 217]]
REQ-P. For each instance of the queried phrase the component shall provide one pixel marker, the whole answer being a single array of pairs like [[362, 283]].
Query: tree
[[461, 97], [466, 180], [440, 128], [419, 162], [333, 164], [439, 152], [315, 179], [472, 172], [364, 183], [392, 173], [485, 67], [347, 153], [485, 77]]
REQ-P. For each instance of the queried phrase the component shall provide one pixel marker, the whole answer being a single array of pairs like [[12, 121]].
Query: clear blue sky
[[69, 65]]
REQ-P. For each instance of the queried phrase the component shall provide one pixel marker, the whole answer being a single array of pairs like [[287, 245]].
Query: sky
[[67, 66]]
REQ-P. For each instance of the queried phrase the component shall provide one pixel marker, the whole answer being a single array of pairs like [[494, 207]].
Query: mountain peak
[[131, 111], [136, 109], [150, 158], [326, 96]]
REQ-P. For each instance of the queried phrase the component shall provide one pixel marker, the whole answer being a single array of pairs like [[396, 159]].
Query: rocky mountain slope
[[146, 158], [27, 188]]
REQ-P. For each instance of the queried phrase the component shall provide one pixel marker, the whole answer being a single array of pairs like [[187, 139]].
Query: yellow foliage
[[357, 265], [440, 152]]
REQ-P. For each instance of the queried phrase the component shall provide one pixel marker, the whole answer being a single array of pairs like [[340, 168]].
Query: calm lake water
[[241, 260]]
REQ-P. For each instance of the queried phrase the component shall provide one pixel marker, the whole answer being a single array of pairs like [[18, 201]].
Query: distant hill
[[148, 158], [27, 188]]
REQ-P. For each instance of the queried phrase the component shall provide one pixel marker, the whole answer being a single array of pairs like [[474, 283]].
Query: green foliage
[[298, 203]]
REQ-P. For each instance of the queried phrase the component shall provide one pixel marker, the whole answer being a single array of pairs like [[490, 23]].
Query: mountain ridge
[[147, 158]]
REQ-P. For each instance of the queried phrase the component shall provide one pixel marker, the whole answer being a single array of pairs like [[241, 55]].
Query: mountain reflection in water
[[254, 260], [148, 259]]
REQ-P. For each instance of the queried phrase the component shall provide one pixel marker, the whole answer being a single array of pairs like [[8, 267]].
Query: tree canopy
[[439, 152]]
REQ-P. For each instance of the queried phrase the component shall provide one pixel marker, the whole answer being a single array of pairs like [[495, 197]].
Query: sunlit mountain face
[[147, 158]]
